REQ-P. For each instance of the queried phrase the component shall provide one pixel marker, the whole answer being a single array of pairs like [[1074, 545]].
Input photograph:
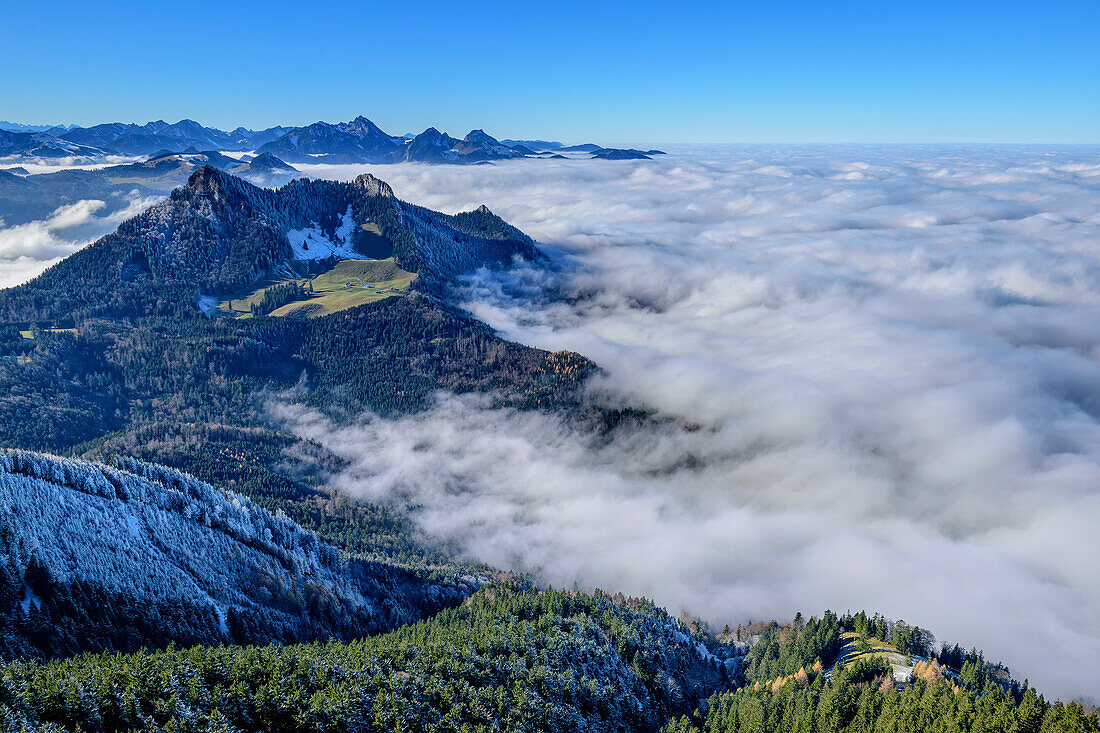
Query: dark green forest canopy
[[853, 704], [506, 660], [516, 660], [62, 389]]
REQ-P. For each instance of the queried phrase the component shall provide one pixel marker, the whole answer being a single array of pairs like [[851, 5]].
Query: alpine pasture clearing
[[348, 284]]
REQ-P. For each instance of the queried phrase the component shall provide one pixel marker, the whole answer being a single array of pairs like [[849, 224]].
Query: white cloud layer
[[894, 355], [28, 249], [35, 166]]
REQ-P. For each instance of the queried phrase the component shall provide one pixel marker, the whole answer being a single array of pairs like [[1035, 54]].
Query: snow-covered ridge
[[162, 536], [71, 513]]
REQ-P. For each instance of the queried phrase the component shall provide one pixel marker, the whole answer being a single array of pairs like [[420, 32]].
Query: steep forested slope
[[62, 389], [281, 473], [96, 557], [506, 660]]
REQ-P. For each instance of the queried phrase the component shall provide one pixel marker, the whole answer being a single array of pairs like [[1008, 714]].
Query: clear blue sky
[[768, 71]]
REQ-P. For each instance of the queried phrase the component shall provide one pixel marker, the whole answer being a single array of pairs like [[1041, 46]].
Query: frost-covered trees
[[132, 555]]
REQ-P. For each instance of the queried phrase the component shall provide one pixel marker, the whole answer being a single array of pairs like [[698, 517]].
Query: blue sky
[[615, 71]]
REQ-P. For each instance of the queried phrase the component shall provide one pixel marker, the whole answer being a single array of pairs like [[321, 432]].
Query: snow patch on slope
[[312, 243]]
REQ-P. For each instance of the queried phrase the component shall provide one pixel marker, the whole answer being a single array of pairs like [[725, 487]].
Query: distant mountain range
[[535, 144], [357, 141], [44, 145], [131, 139], [20, 127]]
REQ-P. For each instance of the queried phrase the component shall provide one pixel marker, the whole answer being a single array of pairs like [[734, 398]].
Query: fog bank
[[28, 249]]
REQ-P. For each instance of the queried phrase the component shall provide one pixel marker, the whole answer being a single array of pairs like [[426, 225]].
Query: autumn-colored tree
[[930, 671]]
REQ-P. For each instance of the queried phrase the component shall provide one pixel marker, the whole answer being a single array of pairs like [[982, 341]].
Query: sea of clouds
[[881, 365], [29, 248], [891, 357]]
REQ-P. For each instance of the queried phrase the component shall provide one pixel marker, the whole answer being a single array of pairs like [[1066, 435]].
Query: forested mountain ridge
[[515, 659], [62, 389], [101, 558], [138, 348], [220, 232]]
